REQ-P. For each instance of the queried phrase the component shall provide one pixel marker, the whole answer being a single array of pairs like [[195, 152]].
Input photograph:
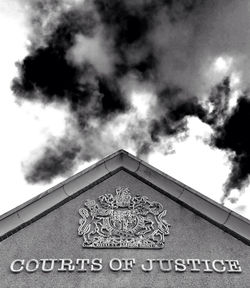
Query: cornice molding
[[217, 214]]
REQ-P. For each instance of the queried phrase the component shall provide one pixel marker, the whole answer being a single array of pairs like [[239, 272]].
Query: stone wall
[[191, 237]]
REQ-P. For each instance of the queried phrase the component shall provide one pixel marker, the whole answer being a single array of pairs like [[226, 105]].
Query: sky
[[173, 91]]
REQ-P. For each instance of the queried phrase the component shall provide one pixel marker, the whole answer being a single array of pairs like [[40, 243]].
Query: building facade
[[122, 223]]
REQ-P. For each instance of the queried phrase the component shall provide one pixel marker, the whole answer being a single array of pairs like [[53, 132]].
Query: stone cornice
[[42, 204]]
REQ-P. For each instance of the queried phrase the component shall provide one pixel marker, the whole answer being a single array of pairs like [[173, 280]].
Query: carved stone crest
[[122, 221]]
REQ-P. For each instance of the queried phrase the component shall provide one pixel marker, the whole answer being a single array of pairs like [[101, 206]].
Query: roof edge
[[211, 210]]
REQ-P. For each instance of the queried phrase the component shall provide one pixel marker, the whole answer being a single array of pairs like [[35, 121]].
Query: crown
[[122, 197]]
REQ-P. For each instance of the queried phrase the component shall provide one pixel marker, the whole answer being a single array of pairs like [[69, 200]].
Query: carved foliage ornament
[[122, 221]]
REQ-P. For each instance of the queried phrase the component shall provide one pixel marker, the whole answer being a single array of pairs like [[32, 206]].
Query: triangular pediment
[[185, 196], [134, 225]]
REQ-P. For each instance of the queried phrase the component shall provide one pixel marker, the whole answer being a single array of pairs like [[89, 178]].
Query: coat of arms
[[122, 221]]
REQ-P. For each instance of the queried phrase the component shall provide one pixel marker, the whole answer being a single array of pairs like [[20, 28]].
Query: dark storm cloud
[[85, 53], [176, 107], [47, 75], [57, 69], [230, 132], [233, 136], [57, 160], [219, 101]]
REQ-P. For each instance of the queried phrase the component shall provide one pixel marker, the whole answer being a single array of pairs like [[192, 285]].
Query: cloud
[[232, 136], [92, 51], [93, 55]]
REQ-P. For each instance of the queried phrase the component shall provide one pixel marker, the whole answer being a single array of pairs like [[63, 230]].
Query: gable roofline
[[30, 211]]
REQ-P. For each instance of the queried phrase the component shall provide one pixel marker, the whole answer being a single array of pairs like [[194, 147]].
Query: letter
[[169, 266], [82, 262], [194, 262], [52, 264], [150, 265], [96, 264], [128, 264], [17, 269], [34, 263], [234, 266], [66, 265], [216, 269], [180, 265], [207, 268], [112, 266]]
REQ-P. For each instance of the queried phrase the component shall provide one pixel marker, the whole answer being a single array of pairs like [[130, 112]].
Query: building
[[122, 223]]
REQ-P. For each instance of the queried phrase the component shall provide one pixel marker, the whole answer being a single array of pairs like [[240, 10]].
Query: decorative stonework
[[122, 221]]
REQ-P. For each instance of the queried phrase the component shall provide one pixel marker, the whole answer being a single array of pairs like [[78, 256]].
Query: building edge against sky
[[35, 208], [122, 223]]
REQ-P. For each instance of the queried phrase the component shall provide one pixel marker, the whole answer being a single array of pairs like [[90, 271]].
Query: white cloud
[[92, 50], [143, 102], [238, 201], [24, 129], [194, 163]]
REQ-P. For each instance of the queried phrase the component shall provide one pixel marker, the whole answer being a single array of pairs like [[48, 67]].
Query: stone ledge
[[238, 225], [160, 180], [85, 179], [9, 223], [32, 210], [43, 204], [208, 208], [219, 215], [123, 159]]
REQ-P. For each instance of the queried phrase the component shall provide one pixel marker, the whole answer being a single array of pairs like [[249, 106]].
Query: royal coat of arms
[[122, 221]]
